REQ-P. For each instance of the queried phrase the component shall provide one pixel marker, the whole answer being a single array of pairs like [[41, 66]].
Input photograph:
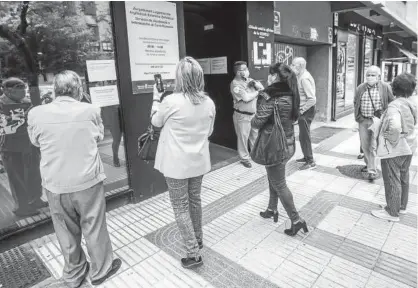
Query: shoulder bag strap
[[370, 96]]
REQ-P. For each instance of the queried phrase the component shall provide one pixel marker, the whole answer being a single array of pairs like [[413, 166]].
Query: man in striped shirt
[[307, 93]]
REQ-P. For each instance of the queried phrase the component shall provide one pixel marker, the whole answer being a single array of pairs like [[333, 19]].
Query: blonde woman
[[187, 117]]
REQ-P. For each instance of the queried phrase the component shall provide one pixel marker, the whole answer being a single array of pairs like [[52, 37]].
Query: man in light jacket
[[397, 141], [372, 96], [307, 92], [67, 132]]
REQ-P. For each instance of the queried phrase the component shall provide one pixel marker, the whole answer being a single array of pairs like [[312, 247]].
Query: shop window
[[60, 36], [285, 53]]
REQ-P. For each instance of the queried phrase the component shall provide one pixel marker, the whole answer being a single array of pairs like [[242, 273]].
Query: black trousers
[[24, 175], [305, 121]]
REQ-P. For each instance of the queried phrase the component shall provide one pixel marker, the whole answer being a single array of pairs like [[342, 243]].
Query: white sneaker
[[402, 211], [382, 214]]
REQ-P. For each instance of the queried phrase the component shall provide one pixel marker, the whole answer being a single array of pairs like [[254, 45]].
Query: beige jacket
[[67, 132], [399, 123], [183, 146]]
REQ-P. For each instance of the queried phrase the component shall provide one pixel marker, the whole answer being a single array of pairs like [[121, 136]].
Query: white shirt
[[183, 147], [67, 132]]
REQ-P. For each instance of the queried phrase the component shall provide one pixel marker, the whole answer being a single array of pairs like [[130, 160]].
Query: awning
[[408, 54], [409, 57]]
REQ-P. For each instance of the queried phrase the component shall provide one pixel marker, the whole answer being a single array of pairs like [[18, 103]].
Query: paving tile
[[370, 231], [402, 242], [279, 244], [397, 268], [345, 273], [340, 221], [314, 259], [378, 280], [261, 261], [292, 275], [324, 240], [358, 253], [341, 185]]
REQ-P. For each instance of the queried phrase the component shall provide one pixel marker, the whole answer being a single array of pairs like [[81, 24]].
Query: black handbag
[[148, 141], [376, 113], [271, 146]]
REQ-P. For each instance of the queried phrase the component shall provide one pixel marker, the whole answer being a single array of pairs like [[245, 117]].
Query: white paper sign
[[103, 96], [153, 42], [218, 65], [101, 70], [205, 64]]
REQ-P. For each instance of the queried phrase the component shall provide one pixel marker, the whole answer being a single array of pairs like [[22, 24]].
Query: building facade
[[116, 47]]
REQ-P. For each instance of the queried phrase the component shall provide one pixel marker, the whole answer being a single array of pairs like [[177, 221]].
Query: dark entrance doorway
[[217, 29], [228, 39]]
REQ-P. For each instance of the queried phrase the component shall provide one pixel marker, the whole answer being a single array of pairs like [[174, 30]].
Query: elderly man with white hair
[[67, 132], [371, 99], [307, 92]]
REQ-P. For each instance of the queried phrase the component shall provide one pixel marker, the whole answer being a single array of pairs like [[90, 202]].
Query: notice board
[[260, 29], [153, 43]]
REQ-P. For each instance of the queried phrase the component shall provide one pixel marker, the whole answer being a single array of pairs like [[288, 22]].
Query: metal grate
[[20, 268]]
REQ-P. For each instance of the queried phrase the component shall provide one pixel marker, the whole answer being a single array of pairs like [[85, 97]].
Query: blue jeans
[[187, 207], [279, 190]]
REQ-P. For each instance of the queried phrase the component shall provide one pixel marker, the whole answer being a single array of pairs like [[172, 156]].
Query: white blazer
[[183, 147]]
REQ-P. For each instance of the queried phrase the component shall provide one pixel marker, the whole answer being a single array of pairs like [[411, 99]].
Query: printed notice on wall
[[153, 43], [103, 96], [101, 70], [218, 65], [205, 64]]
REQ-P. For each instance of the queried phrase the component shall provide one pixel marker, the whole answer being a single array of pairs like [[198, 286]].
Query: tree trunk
[[20, 42]]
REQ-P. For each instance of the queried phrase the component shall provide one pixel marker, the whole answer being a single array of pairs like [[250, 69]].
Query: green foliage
[[57, 34]]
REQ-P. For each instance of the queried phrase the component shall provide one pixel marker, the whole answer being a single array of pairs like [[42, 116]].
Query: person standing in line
[[245, 102], [371, 99], [187, 117], [283, 94], [398, 136], [19, 157], [307, 93], [72, 178]]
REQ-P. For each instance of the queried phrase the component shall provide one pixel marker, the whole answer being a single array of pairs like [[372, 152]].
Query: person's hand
[[258, 85], [156, 95], [386, 135]]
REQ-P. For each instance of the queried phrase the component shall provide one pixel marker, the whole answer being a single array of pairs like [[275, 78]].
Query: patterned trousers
[[395, 173], [187, 206]]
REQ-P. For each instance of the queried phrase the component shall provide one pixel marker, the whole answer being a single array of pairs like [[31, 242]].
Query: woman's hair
[[67, 83], [404, 85], [286, 75], [190, 80]]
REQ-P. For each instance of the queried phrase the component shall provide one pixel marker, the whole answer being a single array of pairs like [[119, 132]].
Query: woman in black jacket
[[282, 92]]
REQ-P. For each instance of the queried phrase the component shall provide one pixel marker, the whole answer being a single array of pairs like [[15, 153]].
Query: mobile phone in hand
[[159, 82]]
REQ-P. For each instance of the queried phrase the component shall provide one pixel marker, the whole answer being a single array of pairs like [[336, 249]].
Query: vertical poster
[[350, 84], [277, 27], [153, 43], [260, 39], [368, 56], [341, 69]]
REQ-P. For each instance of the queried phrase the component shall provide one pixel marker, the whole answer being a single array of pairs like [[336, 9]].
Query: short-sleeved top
[[238, 88]]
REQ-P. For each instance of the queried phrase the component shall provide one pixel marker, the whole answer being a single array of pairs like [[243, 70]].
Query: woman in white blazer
[[187, 117]]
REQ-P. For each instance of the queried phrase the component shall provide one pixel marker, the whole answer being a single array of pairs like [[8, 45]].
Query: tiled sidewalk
[[346, 246]]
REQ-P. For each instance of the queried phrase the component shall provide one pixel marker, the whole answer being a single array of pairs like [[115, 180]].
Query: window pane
[[58, 36]]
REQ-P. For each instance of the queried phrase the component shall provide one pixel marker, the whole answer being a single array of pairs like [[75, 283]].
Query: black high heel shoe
[[269, 213], [296, 227]]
